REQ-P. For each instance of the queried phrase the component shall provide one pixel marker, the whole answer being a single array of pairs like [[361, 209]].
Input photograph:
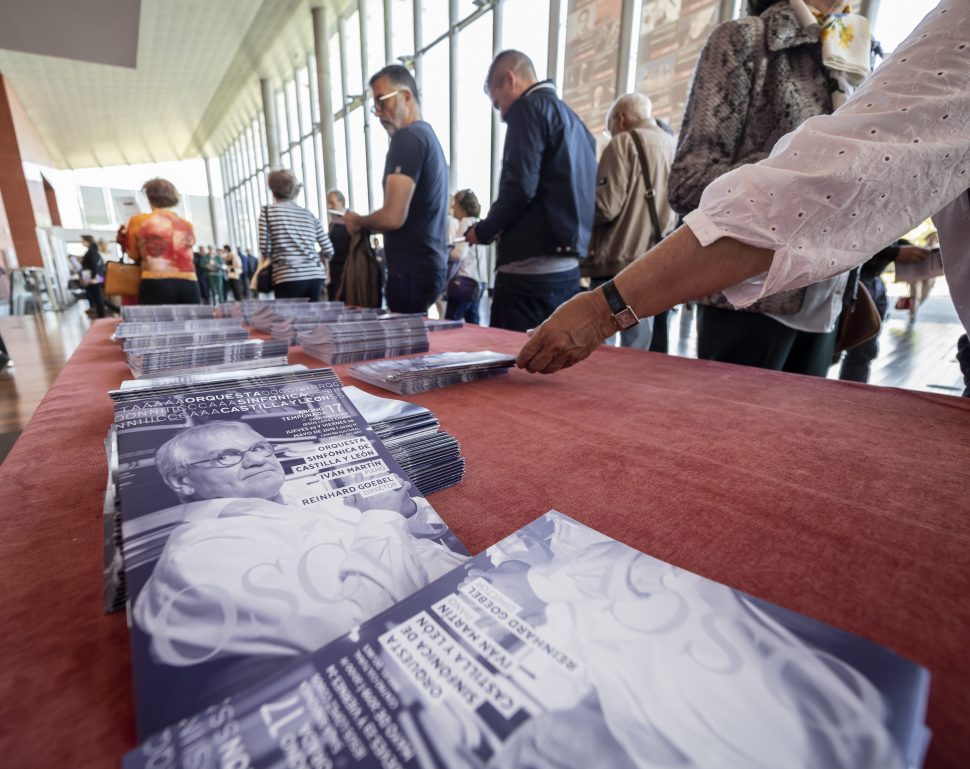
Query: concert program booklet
[[261, 519], [560, 647]]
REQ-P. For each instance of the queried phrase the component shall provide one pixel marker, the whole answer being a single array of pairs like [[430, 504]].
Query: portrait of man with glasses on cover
[[251, 568]]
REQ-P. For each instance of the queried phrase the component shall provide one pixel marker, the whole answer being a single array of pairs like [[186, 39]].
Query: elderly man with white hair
[[249, 570], [632, 212]]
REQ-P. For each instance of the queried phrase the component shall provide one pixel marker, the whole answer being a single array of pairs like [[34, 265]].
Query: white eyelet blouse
[[844, 186]]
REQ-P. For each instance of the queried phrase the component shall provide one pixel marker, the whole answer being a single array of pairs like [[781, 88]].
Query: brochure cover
[[261, 519], [426, 372], [560, 647]]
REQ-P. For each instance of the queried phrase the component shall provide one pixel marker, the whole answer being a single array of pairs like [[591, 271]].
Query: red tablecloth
[[846, 502]]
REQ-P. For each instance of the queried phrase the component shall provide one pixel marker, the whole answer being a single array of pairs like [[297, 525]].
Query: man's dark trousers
[[522, 302]]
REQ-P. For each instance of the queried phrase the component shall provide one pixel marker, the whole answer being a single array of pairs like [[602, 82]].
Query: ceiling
[[182, 92]]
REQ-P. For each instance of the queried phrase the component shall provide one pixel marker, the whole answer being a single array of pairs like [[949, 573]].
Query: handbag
[[858, 323], [122, 279], [263, 280], [264, 277]]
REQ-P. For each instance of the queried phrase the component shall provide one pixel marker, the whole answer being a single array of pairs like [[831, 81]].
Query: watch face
[[625, 318]]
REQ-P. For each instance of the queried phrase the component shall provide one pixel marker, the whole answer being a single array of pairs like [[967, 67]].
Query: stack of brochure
[[114, 592], [431, 457], [288, 325], [427, 372], [561, 647], [383, 337], [146, 312], [262, 318], [247, 307], [184, 339], [409, 432], [261, 518], [250, 353], [442, 325], [128, 329]]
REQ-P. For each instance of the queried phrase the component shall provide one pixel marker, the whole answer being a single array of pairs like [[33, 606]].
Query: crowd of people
[[746, 175]]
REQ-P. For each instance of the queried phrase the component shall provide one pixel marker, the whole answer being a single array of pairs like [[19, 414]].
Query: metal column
[[272, 130], [321, 47], [388, 32], [629, 27], [289, 108], [418, 45], [225, 197], [304, 155], [555, 41], [497, 13], [496, 150], [365, 76], [453, 94], [212, 202], [344, 92], [870, 9]]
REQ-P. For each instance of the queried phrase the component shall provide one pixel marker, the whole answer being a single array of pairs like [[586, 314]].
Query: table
[[842, 501]]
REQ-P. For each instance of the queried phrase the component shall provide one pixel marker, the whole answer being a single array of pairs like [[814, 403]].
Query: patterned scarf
[[845, 42]]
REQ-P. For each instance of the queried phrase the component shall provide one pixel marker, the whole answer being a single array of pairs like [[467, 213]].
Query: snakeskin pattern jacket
[[757, 78]]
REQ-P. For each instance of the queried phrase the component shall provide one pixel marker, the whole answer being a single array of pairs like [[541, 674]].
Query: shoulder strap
[[648, 183]]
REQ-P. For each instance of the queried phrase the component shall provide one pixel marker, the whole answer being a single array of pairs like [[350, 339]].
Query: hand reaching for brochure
[[568, 336]]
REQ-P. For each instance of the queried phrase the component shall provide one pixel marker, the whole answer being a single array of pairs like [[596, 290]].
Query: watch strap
[[613, 298]]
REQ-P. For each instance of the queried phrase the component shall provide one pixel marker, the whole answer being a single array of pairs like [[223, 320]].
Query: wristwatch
[[623, 315]]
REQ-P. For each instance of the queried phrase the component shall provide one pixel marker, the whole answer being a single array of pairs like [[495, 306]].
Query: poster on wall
[[672, 34], [592, 51]]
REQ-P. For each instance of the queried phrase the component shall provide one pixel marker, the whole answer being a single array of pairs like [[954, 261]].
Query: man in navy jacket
[[543, 216]]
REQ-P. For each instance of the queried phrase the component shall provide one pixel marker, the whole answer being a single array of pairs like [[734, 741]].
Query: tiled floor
[[917, 356], [914, 356], [38, 345]]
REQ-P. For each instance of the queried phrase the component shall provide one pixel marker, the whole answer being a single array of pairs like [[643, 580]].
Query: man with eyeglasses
[[543, 216], [414, 217], [250, 571]]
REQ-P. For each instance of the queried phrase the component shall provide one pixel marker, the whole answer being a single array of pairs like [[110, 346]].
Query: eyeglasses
[[232, 457], [379, 101]]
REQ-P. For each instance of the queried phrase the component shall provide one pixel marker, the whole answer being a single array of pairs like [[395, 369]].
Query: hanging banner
[[672, 34], [592, 53]]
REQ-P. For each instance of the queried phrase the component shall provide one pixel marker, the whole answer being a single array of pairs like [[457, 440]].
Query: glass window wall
[[244, 162]]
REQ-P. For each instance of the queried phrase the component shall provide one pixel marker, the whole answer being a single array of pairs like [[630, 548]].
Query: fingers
[[530, 348], [546, 361], [542, 355]]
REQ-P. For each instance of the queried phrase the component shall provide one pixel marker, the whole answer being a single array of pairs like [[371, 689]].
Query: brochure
[[261, 518], [560, 647]]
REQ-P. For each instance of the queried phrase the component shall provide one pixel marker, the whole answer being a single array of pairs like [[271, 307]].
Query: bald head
[[632, 110], [510, 75], [511, 61]]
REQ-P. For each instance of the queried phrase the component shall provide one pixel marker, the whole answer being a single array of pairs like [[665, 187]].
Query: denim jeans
[[522, 302]]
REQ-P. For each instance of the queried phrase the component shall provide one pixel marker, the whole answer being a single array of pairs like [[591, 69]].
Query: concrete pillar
[[497, 14], [365, 76], [212, 202], [14, 191], [453, 94], [321, 48], [272, 127]]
